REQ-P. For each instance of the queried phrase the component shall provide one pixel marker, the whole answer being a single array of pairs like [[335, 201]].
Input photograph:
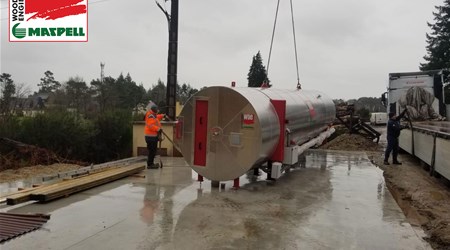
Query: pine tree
[[158, 95], [438, 48], [7, 90], [257, 74], [48, 83], [184, 92], [77, 93]]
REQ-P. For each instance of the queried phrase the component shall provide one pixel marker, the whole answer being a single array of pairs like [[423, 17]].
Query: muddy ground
[[424, 199], [352, 142]]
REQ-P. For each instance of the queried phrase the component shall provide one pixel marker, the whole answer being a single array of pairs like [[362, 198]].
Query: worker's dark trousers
[[152, 146], [392, 145]]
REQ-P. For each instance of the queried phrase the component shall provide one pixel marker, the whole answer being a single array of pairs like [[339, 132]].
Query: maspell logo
[[48, 21]]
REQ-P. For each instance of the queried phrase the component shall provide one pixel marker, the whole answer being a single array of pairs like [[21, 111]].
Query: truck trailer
[[427, 135], [378, 118]]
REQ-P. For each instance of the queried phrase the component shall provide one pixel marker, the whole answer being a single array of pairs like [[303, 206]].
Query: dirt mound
[[15, 154], [352, 142]]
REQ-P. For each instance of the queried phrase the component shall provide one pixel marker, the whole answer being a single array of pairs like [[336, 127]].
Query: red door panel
[[201, 129]]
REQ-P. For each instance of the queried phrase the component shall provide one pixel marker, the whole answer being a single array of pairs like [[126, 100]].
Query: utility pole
[[172, 58]]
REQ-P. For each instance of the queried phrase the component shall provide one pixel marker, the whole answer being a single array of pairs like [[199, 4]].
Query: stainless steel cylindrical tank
[[224, 132]]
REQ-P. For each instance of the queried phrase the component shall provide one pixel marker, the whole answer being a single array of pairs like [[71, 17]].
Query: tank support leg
[[199, 192], [269, 171], [215, 184], [236, 183]]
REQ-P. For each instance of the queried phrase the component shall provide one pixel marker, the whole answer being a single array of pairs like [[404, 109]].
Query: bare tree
[[22, 91]]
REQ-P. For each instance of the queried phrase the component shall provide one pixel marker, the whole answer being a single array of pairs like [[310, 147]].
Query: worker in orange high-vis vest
[[152, 133]]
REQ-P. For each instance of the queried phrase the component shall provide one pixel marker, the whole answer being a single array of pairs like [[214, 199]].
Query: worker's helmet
[[154, 108], [150, 106]]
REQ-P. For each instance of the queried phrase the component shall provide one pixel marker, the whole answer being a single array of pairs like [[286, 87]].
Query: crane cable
[[295, 42], [273, 35], [299, 86]]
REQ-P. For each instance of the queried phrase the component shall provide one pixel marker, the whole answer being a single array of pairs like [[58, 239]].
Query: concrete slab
[[336, 200]]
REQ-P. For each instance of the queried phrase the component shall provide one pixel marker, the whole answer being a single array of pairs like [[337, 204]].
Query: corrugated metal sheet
[[13, 225]]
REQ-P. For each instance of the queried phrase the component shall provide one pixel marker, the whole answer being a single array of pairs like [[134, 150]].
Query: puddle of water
[[333, 200]]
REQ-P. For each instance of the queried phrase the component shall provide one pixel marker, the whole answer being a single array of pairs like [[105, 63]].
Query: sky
[[346, 48]]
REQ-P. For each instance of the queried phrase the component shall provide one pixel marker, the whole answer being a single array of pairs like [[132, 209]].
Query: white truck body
[[427, 140], [378, 118], [399, 83]]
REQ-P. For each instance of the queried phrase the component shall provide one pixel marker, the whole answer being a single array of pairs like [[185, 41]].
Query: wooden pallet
[[68, 187]]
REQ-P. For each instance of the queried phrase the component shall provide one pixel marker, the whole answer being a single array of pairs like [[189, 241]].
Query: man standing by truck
[[393, 132]]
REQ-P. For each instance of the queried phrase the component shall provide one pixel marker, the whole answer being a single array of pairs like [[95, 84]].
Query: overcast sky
[[346, 48]]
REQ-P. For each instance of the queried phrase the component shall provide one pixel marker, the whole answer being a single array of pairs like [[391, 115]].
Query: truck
[[427, 132], [378, 118]]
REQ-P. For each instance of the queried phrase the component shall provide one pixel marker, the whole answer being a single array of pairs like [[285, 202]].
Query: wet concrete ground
[[336, 200]]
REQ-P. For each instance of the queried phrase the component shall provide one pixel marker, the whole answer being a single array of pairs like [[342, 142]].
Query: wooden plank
[[83, 183], [22, 192], [25, 195], [92, 168], [92, 177], [19, 197]]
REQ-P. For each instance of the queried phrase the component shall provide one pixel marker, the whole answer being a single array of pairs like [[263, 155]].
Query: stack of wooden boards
[[68, 187]]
